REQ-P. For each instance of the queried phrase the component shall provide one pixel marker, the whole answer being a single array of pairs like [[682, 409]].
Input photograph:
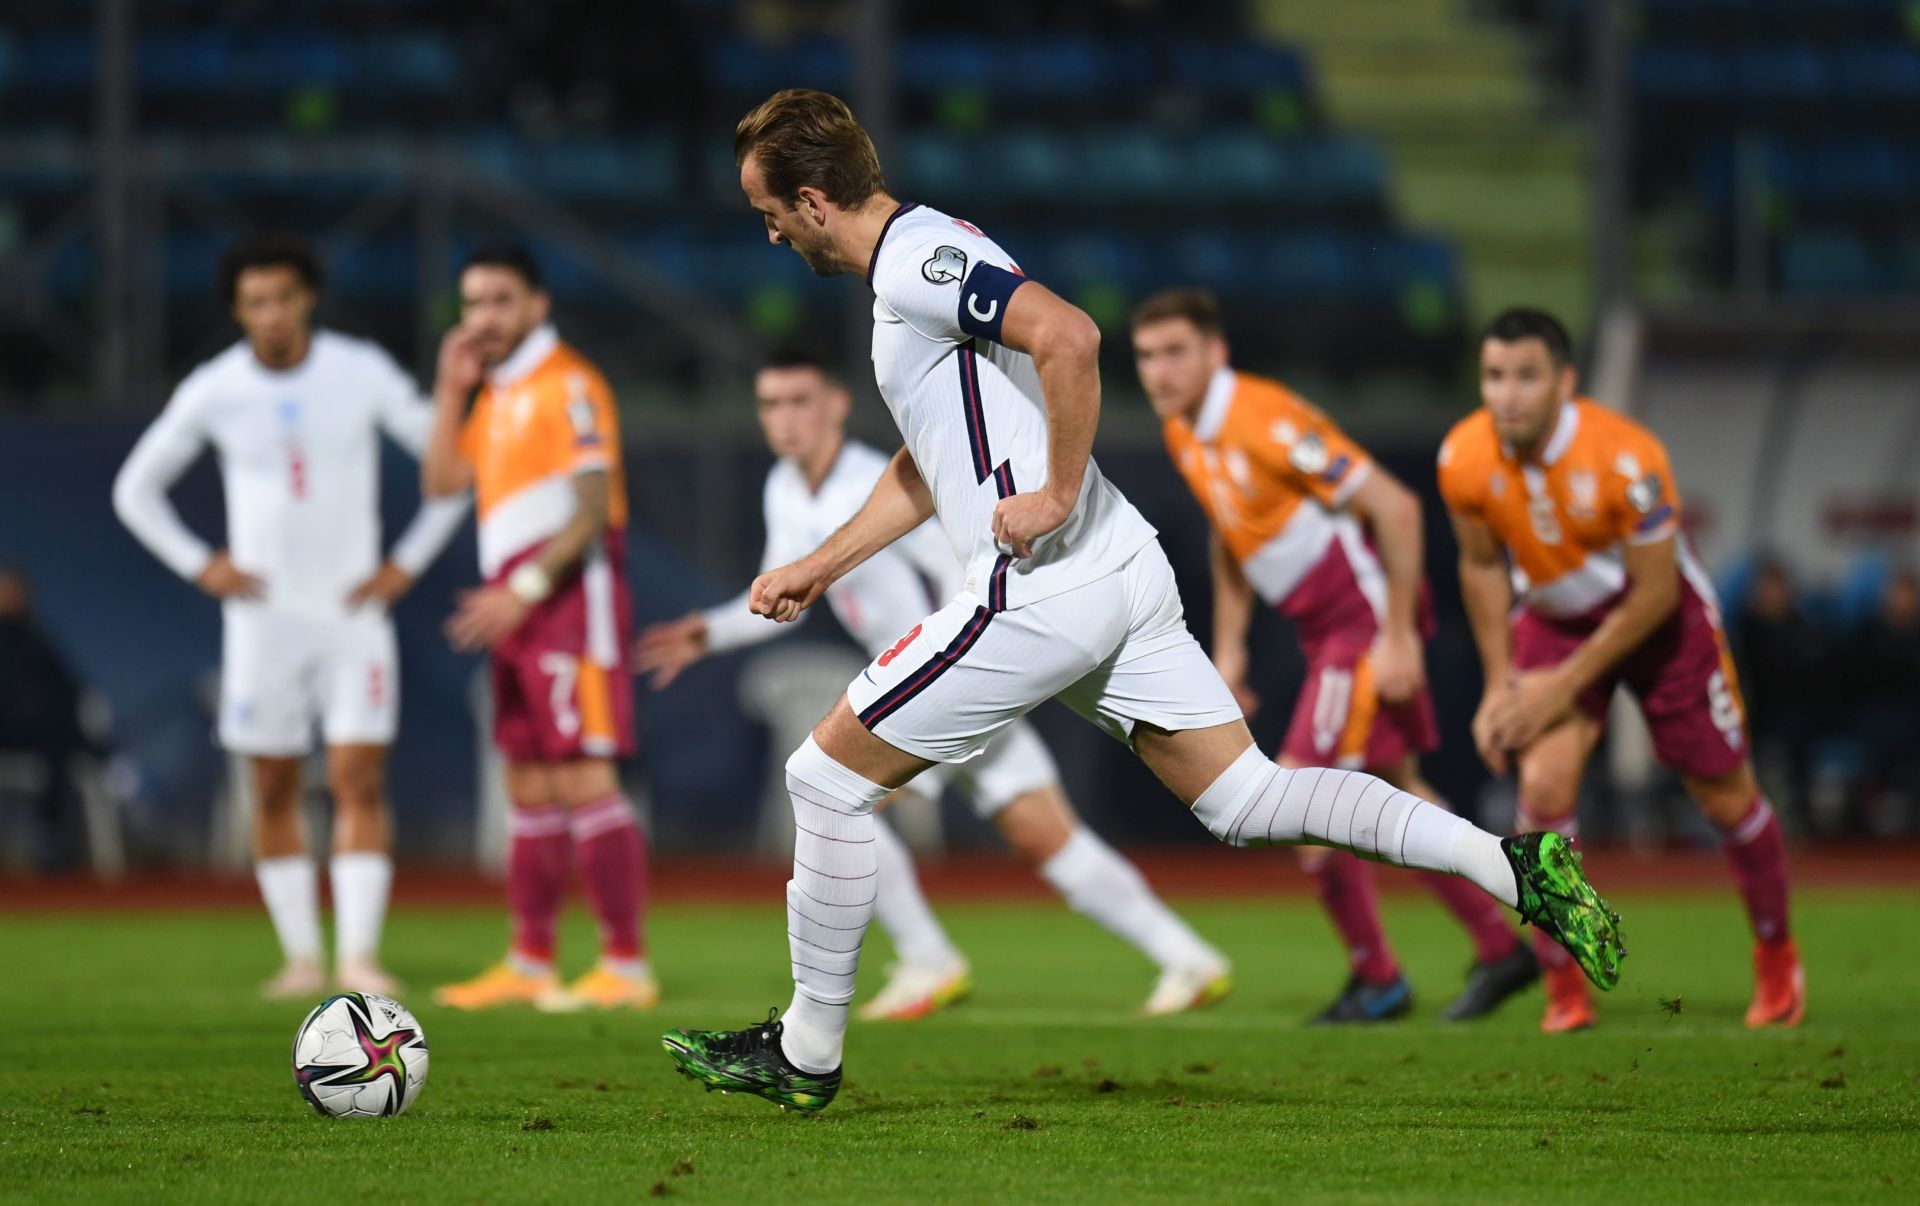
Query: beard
[[819, 258]]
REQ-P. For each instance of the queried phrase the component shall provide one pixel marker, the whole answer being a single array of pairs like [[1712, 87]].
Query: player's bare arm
[[1392, 513], [488, 614], [1232, 617], [900, 502], [1487, 592], [1065, 346], [1542, 698], [443, 470]]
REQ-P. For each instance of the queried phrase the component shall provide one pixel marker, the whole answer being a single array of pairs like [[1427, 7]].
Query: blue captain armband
[[983, 299]]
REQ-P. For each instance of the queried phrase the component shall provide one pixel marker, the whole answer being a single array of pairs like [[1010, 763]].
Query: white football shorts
[[1116, 650], [280, 674]]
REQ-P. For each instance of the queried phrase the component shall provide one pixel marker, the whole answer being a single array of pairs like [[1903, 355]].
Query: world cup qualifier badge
[[1644, 495], [946, 265]]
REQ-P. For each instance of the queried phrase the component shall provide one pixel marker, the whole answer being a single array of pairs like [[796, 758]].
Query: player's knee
[[1725, 800], [1221, 806], [276, 786], [815, 778], [356, 789]]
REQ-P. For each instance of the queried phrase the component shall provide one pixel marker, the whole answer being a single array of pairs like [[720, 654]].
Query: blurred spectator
[[1885, 685], [1783, 675], [40, 730]]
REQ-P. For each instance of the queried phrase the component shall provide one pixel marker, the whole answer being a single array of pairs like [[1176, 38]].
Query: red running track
[[1199, 871]]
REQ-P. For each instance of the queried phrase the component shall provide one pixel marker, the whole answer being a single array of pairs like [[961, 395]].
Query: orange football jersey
[[1272, 473], [544, 415], [1601, 483]]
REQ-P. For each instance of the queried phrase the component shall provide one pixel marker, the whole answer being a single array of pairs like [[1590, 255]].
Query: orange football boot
[[602, 988], [499, 985], [1569, 1005], [1780, 985]]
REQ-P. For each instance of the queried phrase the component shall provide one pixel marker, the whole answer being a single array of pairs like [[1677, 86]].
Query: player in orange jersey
[[1304, 520], [541, 450], [1569, 509]]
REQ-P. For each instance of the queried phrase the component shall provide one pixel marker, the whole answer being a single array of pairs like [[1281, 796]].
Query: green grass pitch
[[135, 1066]]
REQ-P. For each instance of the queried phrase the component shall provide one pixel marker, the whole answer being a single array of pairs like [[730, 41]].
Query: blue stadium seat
[[1249, 67], [1880, 73]]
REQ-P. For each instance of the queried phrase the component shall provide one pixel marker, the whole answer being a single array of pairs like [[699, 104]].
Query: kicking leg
[[1246, 800], [361, 866], [285, 871]]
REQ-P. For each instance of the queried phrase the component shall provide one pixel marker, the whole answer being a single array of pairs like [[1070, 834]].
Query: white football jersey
[[300, 461], [972, 412], [884, 596]]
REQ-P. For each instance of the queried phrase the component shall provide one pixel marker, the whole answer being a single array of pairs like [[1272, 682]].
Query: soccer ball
[[359, 1055]]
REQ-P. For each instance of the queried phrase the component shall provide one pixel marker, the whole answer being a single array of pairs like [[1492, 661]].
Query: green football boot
[[1555, 895], [749, 1061]]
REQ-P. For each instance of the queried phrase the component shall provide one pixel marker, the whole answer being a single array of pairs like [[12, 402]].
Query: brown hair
[[1195, 305], [809, 139]]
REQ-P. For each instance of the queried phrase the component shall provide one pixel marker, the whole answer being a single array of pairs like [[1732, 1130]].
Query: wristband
[[530, 583]]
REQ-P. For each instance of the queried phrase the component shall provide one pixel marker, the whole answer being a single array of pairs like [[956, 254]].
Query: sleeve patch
[[1309, 455], [1653, 522], [946, 265], [1338, 469], [1645, 495], [983, 299]]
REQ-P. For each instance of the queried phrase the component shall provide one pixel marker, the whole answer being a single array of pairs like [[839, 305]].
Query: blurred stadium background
[[1721, 196]]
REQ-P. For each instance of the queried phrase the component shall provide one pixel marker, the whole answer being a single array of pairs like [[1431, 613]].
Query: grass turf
[[135, 1065]]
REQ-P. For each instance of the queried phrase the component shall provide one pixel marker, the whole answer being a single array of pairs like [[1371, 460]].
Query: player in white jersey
[[296, 415], [995, 383], [818, 483]]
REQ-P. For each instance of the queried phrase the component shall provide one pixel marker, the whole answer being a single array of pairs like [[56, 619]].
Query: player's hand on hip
[[1399, 666], [783, 594], [1537, 701], [224, 580], [485, 617], [461, 367], [664, 650], [383, 589], [1022, 519]]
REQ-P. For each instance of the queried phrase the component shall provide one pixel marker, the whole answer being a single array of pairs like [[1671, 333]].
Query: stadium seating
[[1790, 117], [1200, 158]]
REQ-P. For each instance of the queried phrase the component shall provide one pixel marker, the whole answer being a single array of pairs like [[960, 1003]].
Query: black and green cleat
[[1555, 895], [749, 1061]]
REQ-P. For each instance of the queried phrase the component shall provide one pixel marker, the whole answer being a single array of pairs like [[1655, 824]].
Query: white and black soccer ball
[[360, 1055]]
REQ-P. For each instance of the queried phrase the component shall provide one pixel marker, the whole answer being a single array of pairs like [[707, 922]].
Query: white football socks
[[901, 907], [291, 888], [1099, 883], [362, 880], [1255, 802], [829, 901]]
